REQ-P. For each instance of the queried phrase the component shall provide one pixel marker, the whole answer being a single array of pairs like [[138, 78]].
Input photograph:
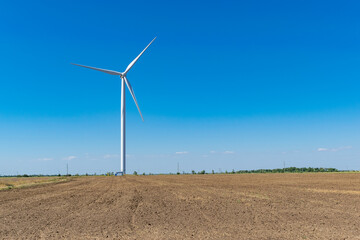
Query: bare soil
[[240, 206]]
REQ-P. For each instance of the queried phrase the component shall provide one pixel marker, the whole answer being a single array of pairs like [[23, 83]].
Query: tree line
[[276, 170]]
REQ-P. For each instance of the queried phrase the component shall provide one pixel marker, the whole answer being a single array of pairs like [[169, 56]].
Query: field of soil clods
[[239, 206]]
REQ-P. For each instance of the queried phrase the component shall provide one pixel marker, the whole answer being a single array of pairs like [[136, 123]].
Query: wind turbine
[[123, 81]]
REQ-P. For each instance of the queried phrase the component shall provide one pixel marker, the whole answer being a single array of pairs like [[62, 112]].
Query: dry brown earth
[[243, 206]]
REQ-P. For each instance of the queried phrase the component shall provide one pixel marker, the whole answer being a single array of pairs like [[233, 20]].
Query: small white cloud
[[70, 158], [45, 159], [107, 156], [184, 152], [212, 152], [322, 149], [229, 152], [333, 149]]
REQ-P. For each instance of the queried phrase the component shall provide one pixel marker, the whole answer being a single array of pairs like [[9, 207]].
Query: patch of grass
[[9, 186], [7, 183]]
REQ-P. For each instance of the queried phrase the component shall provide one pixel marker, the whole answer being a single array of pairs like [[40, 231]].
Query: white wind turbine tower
[[123, 81]]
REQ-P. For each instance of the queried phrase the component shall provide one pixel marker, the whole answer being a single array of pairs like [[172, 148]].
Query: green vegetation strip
[[10, 183]]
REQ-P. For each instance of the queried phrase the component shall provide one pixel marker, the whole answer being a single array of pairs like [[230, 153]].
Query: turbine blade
[[137, 58], [133, 96], [99, 69]]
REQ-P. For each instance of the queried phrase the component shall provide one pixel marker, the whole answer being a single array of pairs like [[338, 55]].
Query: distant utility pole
[[284, 166], [178, 168], [67, 169]]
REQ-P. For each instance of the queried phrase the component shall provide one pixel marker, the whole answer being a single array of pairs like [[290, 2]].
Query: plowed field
[[240, 206]]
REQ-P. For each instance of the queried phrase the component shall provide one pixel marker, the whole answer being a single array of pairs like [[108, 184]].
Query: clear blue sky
[[226, 85]]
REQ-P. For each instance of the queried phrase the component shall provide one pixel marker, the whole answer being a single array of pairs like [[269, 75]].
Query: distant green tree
[[135, 173]]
